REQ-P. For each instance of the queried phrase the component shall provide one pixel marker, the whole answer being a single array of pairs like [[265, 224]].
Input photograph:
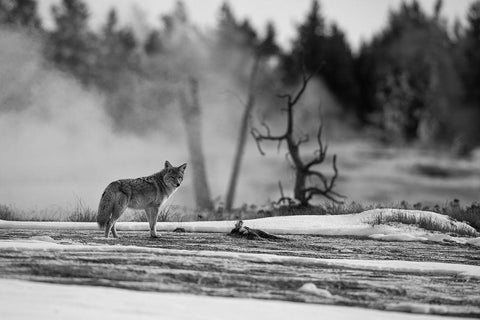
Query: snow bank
[[360, 224], [311, 288], [398, 237], [414, 267], [39, 301], [417, 308]]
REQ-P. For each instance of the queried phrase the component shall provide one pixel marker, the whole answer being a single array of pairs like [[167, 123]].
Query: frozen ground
[[30, 300], [361, 224], [426, 277]]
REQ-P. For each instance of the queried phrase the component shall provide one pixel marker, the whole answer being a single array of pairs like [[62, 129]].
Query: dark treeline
[[416, 80]]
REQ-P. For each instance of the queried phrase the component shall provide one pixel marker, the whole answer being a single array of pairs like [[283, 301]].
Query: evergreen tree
[[237, 42], [409, 76], [338, 70], [324, 52], [72, 46], [179, 16], [226, 26], [21, 13], [110, 26], [233, 35], [268, 45], [308, 48], [471, 50], [116, 58], [153, 44]]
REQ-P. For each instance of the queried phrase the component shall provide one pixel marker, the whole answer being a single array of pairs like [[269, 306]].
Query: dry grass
[[468, 214], [82, 213], [78, 213], [423, 221], [6, 212]]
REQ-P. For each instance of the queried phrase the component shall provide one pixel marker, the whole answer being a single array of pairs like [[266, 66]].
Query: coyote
[[147, 193]]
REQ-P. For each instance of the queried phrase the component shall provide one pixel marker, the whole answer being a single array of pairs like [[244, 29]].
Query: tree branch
[[303, 171]]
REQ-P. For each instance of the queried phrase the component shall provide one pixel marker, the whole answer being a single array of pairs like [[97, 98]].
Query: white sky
[[358, 18]]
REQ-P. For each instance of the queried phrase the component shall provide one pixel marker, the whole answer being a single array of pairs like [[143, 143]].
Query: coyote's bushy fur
[[147, 193]]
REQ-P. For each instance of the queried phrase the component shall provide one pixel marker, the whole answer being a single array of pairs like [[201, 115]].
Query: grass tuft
[[423, 221], [469, 214], [6, 212], [82, 213]]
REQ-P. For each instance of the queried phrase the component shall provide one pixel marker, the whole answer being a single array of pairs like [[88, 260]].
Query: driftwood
[[242, 231]]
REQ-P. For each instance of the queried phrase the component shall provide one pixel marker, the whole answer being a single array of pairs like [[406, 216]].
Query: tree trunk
[[300, 183], [303, 170], [191, 115], [242, 137]]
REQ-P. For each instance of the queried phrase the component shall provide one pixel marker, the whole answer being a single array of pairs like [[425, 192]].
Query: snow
[[359, 224], [42, 301], [474, 242], [417, 308], [313, 289], [397, 237], [27, 300], [42, 238], [414, 267]]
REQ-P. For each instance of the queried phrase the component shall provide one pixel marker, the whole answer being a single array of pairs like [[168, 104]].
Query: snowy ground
[[306, 274], [29, 300], [333, 225]]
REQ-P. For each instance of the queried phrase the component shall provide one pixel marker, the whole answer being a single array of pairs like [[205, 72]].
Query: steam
[[58, 142]]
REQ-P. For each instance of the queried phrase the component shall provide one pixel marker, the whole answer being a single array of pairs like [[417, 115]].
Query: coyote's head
[[173, 175]]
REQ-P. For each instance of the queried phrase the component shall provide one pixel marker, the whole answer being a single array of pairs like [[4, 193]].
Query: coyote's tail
[[105, 208]]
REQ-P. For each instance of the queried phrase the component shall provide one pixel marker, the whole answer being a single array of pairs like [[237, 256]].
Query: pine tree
[[72, 46], [226, 26], [268, 45], [20, 13], [324, 52], [115, 57], [408, 76], [338, 69], [308, 48], [153, 44], [471, 72]]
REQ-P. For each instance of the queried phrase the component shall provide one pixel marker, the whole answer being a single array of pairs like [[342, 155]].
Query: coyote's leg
[[152, 216], [108, 227], [114, 229]]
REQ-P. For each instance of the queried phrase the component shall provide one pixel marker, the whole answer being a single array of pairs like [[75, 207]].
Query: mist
[[60, 144], [68, 128]]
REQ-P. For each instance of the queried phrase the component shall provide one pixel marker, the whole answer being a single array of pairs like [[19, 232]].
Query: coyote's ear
[[183, 167], [168, 165]]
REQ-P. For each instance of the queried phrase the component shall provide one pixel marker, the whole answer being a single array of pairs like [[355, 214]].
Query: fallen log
[[251, 234]]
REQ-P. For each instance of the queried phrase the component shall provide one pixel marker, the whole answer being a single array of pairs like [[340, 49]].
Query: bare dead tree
[[191, 115], [304, 171], [242, 136]]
